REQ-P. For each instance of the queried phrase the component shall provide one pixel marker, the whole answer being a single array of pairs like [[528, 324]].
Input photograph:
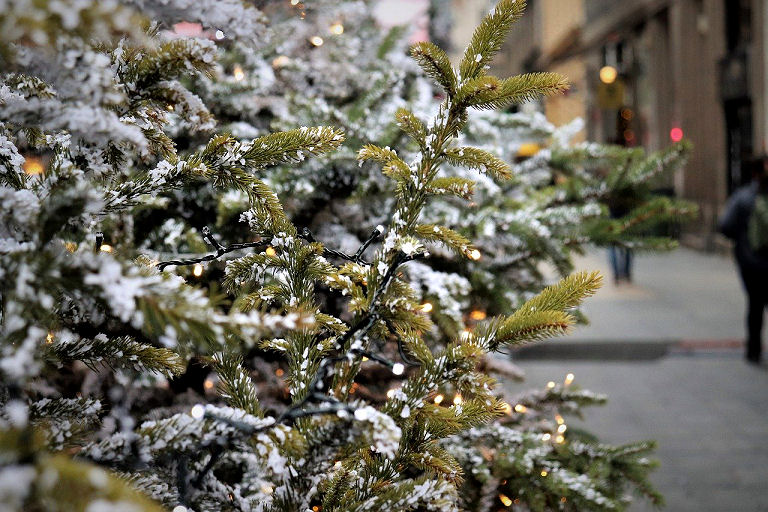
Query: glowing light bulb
[[391, 393], [398, 368], [474, 255], [198, 411], [478, 315], [505, 500], [551, 384], [439, 399], [365, 359], [560, 439], [457, 399], [33, 166], [568, 379], [544, 472], [105, 248], [238, 73], [219, 35], [608, 74], [521, 408], [279, 372], [337, 28], [197, 270], [546, 437], [208, 384], [426, 307], [676, 134], [559, 419], [270, 252], [316, 41], [281, 61], [295, 2], [562, 428], [49, 338], [507, 408], [180, 508]]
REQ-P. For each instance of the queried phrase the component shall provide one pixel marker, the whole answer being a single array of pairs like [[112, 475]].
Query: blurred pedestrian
[[745, 221], [621, 256]]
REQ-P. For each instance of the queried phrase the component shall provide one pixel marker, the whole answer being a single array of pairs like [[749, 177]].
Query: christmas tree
[[158, 353]]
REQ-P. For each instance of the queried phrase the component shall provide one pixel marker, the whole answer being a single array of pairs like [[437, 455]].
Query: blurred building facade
[[693, 68]]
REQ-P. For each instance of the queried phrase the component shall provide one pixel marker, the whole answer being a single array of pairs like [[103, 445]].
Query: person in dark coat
[[753, 264]]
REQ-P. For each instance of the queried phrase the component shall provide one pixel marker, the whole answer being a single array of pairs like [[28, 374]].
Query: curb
[[629, 350]]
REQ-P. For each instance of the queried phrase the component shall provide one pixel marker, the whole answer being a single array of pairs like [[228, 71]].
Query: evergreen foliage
[[225, 371]]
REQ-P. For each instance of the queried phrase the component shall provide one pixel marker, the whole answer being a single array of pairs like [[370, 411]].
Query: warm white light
[[439, 399], [391, 393], [208, 384], [316, 41], [49, 338], [33, 166], [219, 34], [559, 439], [559, 419], [546, 437], [295, 2], [197, 270], [426, 307], [198, 411], [544, 472], [521, 408], [180, 508], [457, 399], [478, 315], [281, 61], [562, 428], [474, 254], [550, 384], [505, 500], [105, 248], [238, 73], [568, 379], [270, 251], [507, 408], [608, 74], [398, 368], [337, 29]]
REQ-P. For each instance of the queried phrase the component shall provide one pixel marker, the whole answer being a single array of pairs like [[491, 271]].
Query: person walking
[[745, 221]]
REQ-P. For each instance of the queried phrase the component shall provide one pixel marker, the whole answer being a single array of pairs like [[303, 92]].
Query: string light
[[398, 368], [559, 419], [560, 439], [457, 399], [426, 307], [219, 35], [562, 428], [270, 252], [198, 411], [238, 73], [391, 393], [281, 61], [505, 500], [478, 315], [521, 408], [507, 408], [180, 508], [316, 40], [33, 166], [551, 384], [608, 74], [105, 248], [295, 2], [544, 472], [546, 437], [279, 372], [337, 28], [439, 399], [474, 255], [208, 384], [49, 338], [197, 270], [568, 379], [365, 359]]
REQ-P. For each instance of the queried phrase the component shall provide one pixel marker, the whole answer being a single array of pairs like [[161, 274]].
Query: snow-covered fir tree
[[212, 301]]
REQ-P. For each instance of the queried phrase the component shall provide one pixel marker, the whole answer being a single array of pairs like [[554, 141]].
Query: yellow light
[[426, 307], [105, 248], [521, 408], [279, 372], [49, 338], [281, 61], [33, 166], [505, 500], [560, 439], [365, 359], [208, 384], [559, 419], [457, 399], [478, 315], [337, 29], [563, 499], [546, 437], [439, 399], [568, 379], [197, 270], [550, 384], [315, 509], [474, 254], [270, 251], [562, 428], [70, 246], [507, 408], [238, 73], [544, 472], [608, 74], [528, 149], [316, 40]]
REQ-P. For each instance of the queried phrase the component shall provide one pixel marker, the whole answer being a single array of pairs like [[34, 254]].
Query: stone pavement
[[668, 352]]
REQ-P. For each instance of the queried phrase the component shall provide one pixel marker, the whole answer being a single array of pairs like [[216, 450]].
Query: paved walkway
[[667, 350]]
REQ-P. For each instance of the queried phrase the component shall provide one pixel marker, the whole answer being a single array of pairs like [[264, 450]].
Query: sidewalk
[[668, 352]]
